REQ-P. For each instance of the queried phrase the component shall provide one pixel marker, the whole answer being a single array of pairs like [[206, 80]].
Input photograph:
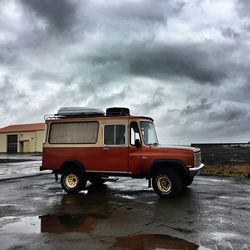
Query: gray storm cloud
[[59, 16], [185, 63]]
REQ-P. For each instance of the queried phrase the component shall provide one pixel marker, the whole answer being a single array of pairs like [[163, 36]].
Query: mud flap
[[56, 176], [149, 183]]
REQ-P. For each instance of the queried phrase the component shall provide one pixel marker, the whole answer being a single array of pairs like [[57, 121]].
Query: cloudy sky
[[185, 63]]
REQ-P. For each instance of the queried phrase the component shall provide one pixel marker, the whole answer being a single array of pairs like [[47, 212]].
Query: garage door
[[12, 143]]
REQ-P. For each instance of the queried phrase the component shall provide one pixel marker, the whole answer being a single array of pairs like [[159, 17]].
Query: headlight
[[197, 159]]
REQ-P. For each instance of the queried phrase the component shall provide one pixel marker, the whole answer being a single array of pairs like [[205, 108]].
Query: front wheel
[[188, 181], [167, 183], [72, 180]]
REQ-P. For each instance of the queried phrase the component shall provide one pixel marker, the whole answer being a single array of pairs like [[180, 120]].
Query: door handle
[[105, 149]]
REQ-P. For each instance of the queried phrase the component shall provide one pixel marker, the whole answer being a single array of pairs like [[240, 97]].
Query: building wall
[[39, 141], [3, 143], [28, 142]]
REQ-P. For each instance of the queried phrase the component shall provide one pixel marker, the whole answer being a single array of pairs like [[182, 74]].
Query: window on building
[[114, 135], [74, 133]]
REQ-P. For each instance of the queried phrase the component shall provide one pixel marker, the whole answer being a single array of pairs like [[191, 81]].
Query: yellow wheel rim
[[164, 184], [71, 180]]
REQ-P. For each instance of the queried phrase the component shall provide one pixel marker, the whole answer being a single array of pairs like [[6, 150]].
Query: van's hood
[[179, 147], [159, 152]]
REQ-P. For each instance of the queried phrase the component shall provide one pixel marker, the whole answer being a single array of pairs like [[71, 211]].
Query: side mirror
[[137, 143]]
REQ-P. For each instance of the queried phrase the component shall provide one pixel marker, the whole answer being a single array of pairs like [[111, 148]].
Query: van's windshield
[[148, 133]]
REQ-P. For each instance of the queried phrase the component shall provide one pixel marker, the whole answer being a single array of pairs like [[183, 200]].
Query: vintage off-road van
[[91, 145]]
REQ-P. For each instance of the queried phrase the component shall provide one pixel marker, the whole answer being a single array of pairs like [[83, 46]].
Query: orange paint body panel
[[92, 158], [114, 159], [151, 154]]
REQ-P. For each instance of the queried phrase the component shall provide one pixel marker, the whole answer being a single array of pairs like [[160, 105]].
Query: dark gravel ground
[[214, 213]]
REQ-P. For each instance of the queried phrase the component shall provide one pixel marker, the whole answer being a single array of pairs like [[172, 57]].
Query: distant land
[[225, 159]]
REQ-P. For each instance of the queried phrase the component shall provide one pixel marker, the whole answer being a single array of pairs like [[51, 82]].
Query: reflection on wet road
[[213, 214], [24, 225], [153, 241], [60, 224]]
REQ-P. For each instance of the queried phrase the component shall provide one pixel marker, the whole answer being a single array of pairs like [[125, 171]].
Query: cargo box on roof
[[79, 111]]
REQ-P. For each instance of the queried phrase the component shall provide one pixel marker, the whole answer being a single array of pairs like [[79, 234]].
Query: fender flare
[[74, 163], [176, 164]]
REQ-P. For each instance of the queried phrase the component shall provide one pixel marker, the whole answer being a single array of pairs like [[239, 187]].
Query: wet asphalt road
[[214, 213]]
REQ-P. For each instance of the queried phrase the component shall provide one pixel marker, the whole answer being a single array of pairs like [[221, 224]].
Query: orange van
[[91, 145]]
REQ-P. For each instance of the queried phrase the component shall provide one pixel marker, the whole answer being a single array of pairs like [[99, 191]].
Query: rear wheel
[[167, 183], [72, 180]]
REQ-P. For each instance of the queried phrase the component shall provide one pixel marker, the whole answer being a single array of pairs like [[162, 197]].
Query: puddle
[[153, 241], [60, 224], [225, 197], [57, 224], [24, 225], [219, 236], [125, 196], [151, 202], [7, 205]]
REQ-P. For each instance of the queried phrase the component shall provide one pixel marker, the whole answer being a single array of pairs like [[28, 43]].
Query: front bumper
[[196, 170]]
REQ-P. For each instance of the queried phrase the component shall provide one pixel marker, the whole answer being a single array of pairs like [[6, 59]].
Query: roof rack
[[79, 112]]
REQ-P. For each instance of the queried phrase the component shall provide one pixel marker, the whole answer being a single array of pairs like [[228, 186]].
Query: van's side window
[[114, 134], [73, 133]]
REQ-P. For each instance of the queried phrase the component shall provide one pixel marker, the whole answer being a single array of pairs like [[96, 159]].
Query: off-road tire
[[167, 183], [188, 181], [72, 181]]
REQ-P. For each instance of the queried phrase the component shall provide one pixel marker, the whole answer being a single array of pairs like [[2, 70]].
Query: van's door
[[113, 155], [134, 151]]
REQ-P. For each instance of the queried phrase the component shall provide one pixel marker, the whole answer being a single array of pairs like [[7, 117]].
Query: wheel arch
[[174, 164], [72, 164]]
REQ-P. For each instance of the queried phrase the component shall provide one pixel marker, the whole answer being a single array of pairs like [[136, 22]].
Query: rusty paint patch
[[153, 241]]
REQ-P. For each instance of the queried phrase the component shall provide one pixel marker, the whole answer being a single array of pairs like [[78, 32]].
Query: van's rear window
[[74, 133]]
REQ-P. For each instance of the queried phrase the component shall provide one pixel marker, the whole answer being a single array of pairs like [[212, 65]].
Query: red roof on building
[[23, 128]]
